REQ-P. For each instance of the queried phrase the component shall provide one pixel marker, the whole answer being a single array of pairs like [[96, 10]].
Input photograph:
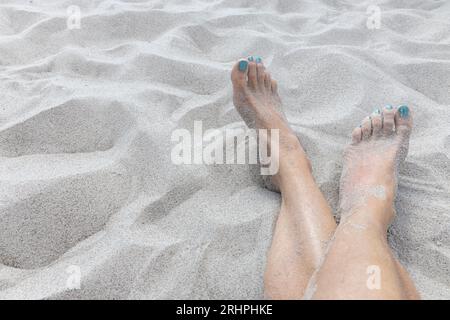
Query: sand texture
[[87, 185]]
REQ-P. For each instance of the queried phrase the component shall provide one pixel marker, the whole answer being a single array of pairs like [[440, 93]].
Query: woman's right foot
[[369, 176], [255, 96], [305, 223]]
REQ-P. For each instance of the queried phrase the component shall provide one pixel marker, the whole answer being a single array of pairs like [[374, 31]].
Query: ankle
[[377, 217], [294, 173], [293, 163]]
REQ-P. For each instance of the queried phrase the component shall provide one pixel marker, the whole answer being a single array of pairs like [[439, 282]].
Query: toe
[[376, 122], [239, 73], [403, 120], [252, 75], [274, 87], [366, 128], [268, 81], [388, 120], [261, 73], [357, 135]]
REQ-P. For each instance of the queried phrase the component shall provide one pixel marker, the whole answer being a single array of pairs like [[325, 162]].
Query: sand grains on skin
[[86, 117]]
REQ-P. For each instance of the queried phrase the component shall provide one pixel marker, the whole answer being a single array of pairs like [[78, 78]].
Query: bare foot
[[369, 177], [256, 98]]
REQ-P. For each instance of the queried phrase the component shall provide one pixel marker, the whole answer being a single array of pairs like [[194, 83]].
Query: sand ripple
[[85, 121]]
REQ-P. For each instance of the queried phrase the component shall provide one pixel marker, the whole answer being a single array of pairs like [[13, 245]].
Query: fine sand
[[88, 190]]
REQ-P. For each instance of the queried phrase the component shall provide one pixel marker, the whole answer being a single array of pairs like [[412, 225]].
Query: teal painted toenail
[[258, 60], [403, 111], [243, 65], [377, 111], [389, 107], [250, 58]]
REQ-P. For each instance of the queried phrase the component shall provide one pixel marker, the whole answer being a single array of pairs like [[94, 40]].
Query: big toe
[[239, 73], [403, 121]]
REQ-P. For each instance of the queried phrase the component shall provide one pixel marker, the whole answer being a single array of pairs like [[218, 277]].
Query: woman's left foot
[[369, 175]]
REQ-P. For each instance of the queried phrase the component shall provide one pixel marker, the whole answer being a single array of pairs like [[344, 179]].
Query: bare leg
[[304, 226], [305, 222], [359, 263]]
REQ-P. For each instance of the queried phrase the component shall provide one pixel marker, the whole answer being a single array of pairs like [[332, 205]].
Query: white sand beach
[[91, 205]]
